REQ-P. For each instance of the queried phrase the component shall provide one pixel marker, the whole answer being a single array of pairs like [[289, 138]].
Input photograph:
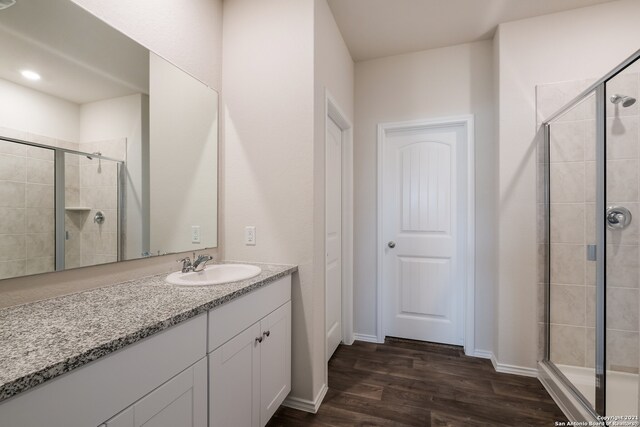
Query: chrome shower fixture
[[97, 153], [627, 101], [4, 4]]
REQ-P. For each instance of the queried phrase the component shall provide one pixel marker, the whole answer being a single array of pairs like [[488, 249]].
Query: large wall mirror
[[107, 151]]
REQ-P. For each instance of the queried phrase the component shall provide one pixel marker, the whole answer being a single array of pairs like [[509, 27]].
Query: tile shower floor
[[622, 388]]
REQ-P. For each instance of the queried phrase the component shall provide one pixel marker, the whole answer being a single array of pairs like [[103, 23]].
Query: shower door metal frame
[[577, 395], [600, 362], [600, 90], [59, 190], [601, 197], [120, 208]]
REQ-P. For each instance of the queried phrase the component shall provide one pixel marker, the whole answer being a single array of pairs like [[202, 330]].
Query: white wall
[[267, 109], [125, 117], [429, 84], [334, 74], [188, 34], [183, 159], [574, 45], [274, 151], [29, 110]]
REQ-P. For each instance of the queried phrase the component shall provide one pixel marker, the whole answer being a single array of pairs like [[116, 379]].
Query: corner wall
[[268, 121], [187, 34], [334, 75]]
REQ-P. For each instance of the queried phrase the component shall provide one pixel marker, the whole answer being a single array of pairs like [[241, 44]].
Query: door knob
[[391, 244]]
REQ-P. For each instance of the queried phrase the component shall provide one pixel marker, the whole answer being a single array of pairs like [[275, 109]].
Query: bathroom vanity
[[147, 353]]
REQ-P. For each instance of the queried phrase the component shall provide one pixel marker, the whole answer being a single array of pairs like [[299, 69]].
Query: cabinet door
[[123, 419], [234, 386], [181, 401], [275, 361]]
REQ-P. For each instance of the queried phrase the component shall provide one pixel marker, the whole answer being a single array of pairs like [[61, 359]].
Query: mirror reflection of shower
[[96, 153], [625, 101]]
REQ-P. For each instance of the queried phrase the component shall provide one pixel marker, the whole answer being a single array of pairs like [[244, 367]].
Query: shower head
[[627, 101], [96, 153], [6, 3]]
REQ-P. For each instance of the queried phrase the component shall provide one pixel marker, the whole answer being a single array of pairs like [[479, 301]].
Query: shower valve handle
[[617, 217]]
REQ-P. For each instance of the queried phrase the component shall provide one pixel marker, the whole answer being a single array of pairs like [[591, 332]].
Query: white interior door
[[333, 242], [424, 198]]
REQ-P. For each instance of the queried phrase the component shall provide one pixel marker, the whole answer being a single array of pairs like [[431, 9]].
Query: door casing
[[333, 112]]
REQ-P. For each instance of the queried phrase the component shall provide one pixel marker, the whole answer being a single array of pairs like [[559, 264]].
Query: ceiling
[[80, 58], [378, 28]]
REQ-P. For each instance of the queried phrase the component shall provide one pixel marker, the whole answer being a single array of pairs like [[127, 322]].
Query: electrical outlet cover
[[250, 235], [195, 234]]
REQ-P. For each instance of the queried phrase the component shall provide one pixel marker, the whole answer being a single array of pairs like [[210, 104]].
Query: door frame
[[468, 305], [335, 113]]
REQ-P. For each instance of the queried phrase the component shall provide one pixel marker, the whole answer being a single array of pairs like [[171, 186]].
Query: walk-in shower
[[61, 208], [590, 240]]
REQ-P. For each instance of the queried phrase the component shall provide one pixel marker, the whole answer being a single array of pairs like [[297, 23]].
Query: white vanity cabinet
[[230, 367], [250, 361], [181, 401]]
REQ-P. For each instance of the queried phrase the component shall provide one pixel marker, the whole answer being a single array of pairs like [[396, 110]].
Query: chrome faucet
[[186, 264], [201, 262]]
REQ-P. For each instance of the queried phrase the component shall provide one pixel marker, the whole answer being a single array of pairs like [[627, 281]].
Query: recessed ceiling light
[[30, 75], [6, 3]]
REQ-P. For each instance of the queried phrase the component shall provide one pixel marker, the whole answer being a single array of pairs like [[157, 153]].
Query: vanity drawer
[[228, 320]]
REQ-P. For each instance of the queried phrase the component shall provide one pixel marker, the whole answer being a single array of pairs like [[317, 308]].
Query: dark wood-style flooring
[[409, 383]]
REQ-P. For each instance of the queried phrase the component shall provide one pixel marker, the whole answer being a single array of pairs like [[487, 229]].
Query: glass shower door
[[92, 210], [622, 218], [592, 241], [572, 239]]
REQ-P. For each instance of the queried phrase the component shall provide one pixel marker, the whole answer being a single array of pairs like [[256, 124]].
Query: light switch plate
[[250, 235], [195, 234]]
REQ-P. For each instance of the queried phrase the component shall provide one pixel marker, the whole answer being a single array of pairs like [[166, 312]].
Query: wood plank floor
[[409, 383]]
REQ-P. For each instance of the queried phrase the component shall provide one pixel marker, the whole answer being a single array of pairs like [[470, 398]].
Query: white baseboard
[[506, 368], [517, 370], [305, 404], [365, 338], [483, 354]]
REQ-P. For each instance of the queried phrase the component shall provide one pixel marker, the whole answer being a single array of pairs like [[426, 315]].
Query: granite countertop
[[42, 340]]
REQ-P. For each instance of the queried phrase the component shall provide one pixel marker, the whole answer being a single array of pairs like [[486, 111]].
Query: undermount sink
[[214, 275]]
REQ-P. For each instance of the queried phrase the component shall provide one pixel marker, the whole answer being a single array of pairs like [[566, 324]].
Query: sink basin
[[214, 275]]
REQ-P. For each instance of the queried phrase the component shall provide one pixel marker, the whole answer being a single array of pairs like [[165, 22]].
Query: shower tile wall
[[98, 190], [74, 219], [572, 168], [623, 255], [27, 244]]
